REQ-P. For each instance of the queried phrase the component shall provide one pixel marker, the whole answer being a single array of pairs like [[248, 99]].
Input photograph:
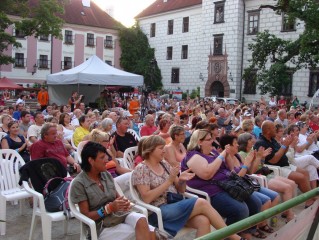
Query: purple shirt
[[206, 185]]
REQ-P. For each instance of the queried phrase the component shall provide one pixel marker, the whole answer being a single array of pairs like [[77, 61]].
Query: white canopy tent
[[88, 79]]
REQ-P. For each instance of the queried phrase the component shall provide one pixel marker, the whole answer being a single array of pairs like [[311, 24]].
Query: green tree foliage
[[42, 19], [276, 58], [137, 56]]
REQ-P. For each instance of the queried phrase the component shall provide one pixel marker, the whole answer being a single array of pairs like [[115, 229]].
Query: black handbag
[[253, 182], [239, 188], [170, 196], [174, 197], [264, 171]]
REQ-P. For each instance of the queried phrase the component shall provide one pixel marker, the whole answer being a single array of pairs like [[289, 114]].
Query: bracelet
[[106, 208], [101, 212], [17, 150], [181, 182], [244, 167], [307, 142], [283, 147], [222, 158]]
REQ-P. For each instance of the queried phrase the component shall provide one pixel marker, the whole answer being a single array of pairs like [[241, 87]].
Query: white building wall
[[189, 68], [271, 21], [200, 37]]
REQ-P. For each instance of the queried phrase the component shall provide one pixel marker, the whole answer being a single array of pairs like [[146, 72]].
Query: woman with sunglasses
[[207, 167], [16, 141], [154, 178]]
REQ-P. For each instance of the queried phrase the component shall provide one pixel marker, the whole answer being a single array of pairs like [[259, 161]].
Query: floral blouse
[[143, 175]]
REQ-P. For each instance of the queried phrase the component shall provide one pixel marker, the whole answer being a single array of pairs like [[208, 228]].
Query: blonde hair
[[3, 116], [246, 123], [150, 144], [198, 135], [98, 136]]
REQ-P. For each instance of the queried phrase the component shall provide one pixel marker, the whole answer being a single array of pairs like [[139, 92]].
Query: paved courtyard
[[18, 227]]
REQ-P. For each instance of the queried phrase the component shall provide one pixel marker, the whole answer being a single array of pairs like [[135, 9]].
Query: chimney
[[86, 3]]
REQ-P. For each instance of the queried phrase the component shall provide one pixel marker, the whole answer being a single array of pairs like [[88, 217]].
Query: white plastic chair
[[83, 220], [122, 186], [10, 162], [128, 157], [262, 180], [275, 169], [2, 135], [198, 193], [139, 125], [135, 135], [46, 217], [154, 209]]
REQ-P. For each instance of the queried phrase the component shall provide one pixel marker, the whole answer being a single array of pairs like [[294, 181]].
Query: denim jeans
[[235, 210]]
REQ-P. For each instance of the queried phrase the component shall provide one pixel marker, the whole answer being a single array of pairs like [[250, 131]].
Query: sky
[[124, 11]]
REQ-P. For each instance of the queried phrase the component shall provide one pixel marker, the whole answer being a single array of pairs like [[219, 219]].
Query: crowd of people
[[183, 142]]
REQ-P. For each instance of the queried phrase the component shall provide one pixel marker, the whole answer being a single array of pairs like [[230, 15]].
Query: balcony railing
[[44, 64], [65, 65], [20, 62], [108, 44]]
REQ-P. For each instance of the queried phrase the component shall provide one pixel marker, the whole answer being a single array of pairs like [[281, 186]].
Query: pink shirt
[[147, 131]]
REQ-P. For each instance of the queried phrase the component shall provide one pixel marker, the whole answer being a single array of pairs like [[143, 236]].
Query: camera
[[70, 169]]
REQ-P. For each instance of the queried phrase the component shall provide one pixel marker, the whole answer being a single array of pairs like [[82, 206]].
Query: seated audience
[[94, 191], [16, 141], [154, 177], [50, 147]]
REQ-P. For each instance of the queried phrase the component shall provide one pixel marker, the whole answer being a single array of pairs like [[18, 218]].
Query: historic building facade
[[204, 43], [87, 31]]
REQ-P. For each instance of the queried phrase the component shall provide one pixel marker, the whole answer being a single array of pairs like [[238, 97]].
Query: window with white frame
[[175, 75], [184, 52], [185, 24], [68, 37], [19, 61], [170, 27], [169, 53], [253, 22], [153, 30], [90, 41]]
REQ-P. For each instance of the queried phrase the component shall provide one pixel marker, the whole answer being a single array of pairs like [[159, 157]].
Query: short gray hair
[[105, 122], [45, 129]]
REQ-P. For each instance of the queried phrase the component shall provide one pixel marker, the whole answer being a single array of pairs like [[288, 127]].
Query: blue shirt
[[16, 115], [257, 131]]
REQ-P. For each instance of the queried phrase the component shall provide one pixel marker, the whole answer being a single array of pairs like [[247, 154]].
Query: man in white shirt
[[34, 131]]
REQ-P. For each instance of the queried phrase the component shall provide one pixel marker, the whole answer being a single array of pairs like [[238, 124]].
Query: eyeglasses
[[208, 140]]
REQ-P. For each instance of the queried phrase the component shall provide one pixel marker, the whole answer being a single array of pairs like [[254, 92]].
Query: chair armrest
[[88, 221], [276, 169], [140, 209], [189, 195], [262, 180], [198, 192], [37, 197]]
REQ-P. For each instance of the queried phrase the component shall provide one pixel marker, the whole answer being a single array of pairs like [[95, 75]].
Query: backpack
[[55, 193]]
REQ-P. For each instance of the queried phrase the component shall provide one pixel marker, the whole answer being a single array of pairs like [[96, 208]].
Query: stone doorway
[[217, 89]]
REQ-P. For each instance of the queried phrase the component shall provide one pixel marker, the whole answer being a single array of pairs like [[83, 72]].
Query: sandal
[[259, 234], [266, 229]]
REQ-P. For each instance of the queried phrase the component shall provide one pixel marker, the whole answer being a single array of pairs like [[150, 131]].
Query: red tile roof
[[159, 6], [94, 16]]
